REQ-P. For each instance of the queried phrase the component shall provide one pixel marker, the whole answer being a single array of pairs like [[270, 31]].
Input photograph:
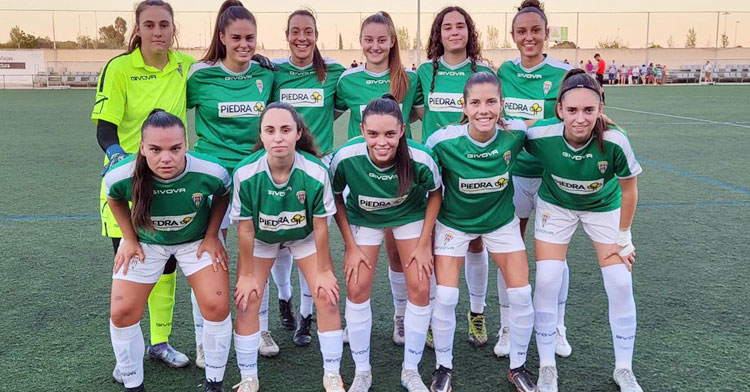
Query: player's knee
[[216, 309], [419, 292], [324, 304], [124, 316], [357, 293]]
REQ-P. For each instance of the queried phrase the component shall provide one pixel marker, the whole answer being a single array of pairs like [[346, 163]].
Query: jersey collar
[[573, 148], [477, 143], [534, 68], [188, 159], [380, 169], [303, 68], [454, 67], [173, 62], [227, 70], [267, 169], [376, 75]]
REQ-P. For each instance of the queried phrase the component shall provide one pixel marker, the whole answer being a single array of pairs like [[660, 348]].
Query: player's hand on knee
[[625, 248], [129, 252], [422, 255], [353, 257], [327, 282], [214, 247], [246, 287]]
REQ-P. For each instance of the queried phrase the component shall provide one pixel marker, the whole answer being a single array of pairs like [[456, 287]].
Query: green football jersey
[[478, 189], [357, 87], [281, 212], [530, 94], [228, 106], [313, 100], [581, 179], [443, 105], [180, 208], [373, 199]]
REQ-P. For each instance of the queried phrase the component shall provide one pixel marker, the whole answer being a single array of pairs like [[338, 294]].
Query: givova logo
[[241, 109], [284, 221], [445, 102], [578, 187], [484, 185], [525, 108], [172, 222], [368, 203], [303, 97]]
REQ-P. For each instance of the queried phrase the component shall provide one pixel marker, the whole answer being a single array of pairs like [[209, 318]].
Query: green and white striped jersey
[[530, 94], [313, 100], [357, 87], [227, 106], [581, 179], [281, 212], [373, 199], [443, 105], [180, 208], [478, 196]]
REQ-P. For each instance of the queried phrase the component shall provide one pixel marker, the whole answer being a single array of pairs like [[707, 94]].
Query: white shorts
[[454, 243], [524, 195], [557, 225], [368, 236], [299, 248], [156, 258]]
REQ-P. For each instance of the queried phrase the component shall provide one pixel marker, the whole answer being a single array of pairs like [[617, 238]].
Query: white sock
[[282, 272], [618, 282], [444, 324], [562, 298], [476, 270], [398, 290], [416, 322], [217, 338], [548, 281], [331, 347], [197, 319], [263, 311], [129, 348], [305, 296], [522, 323], [359, 324], [246, 347], [433, 288], [503, 300]]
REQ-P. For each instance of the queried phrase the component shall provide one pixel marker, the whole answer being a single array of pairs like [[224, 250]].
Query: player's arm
[[353, 255], [423, 252], [106, 136], [129, 248], [326, 278], [211, 242], [629, 188], [247, 284], [417, 113]]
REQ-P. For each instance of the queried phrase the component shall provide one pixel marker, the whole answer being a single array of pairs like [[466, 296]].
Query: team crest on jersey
[[602, 166], [506, 156], [259, 84], [547, 86], [545, 218], [301, 195], [448, 237], [197, 199]]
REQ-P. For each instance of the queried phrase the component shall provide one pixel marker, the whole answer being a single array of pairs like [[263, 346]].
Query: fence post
[[578, 15], [648, 33]]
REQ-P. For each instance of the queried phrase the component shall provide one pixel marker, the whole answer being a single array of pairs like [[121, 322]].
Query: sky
[[602, 20]]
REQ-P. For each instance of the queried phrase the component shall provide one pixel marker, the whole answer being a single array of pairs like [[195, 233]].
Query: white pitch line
[[681, 117]]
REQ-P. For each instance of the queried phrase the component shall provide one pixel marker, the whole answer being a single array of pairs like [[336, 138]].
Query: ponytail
[[387, 105], [578, 78], [319, 64], [229, 11], [135, 41], [398, 77], [306, 141]]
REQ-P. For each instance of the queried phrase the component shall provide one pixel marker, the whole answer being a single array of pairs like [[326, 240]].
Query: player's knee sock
[[476, 270], [444, 324], [359, 324], [522, 323], [263, 311], [160, 308], [562, 298], [502, 299], [416, 321], [618, 282], [217, 338], [398, 290], [331, 347], [127, 343], [246, 347], [197, 319], [282, 272], [433, 288], [305, 296], [548, 282]]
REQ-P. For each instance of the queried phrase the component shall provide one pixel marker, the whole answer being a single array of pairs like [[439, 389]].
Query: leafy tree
[[692, 38], [493, 38], [113, 36], [403, 37]]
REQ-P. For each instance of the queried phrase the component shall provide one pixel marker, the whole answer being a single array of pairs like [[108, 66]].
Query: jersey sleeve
[[419, 93], [111, 92], [339, 102], [323, 204], [226, 183], [193, 88], [626, 166], [428, 175], [241, 200], [338, 175]]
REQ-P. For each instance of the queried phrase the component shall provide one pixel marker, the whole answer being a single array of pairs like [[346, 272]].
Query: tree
[[692, 38], [113, 36], [341, 42], [493, 38], [84, 42], [20, 39], [615, 43], [670, 42], [403, 37], [564, 45], [724, 40], [653, 45]]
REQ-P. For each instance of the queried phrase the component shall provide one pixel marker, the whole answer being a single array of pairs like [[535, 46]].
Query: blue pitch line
[[687, 174]]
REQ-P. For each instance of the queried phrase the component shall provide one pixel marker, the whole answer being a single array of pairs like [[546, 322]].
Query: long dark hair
[[388, 105], [436, 49], [142, 186], [534, 6], [229, 11], [578, 78], [135, 41], [398, 77], [480, 78], [305, 143], [319, 64]]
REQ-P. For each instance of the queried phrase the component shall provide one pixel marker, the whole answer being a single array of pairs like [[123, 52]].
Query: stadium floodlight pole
[[648, 32], [419, 27], [578, 16]]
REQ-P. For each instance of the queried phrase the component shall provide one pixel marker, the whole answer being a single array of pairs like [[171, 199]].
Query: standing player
[[383, 73], [590, 176], [229, 91], [171, 216], [150, 75], [388, 176], [282, 197], [476, 158], [307, 81], [454, 54], [530, 84]]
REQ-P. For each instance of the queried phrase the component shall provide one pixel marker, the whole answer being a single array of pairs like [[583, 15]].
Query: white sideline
[[681, 117]]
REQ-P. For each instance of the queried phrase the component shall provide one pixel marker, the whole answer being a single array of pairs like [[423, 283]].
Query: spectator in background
[[644, 73], [413, 67], [707, 69], [657, 74], [636, 74], [580, 65], [589, 67], [612, 73], [601, 66], [664, 75], [623, 74], [566, 61], [353, 64]]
